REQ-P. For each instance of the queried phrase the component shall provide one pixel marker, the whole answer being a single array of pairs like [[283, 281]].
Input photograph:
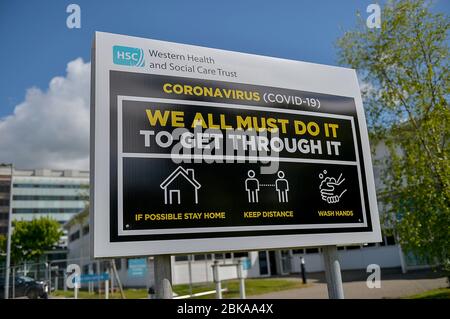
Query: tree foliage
[[404, 69], [30, 239]]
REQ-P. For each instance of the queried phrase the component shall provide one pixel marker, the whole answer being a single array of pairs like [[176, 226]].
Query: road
[[393, 285]]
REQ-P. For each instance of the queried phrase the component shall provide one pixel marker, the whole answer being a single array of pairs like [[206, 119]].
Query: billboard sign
[[197, 149]]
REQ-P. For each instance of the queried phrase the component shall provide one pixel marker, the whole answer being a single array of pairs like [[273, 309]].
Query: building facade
[[5, 185], [59, 194]]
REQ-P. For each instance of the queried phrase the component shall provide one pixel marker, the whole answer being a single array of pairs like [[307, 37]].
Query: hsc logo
[[128, 56]]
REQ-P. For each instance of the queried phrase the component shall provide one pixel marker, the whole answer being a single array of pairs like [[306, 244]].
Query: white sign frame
[[253, 69]]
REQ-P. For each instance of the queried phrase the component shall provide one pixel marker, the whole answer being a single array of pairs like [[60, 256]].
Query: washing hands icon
[[331, 190]]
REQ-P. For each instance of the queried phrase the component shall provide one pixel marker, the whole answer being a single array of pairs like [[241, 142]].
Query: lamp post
[[8, 243]]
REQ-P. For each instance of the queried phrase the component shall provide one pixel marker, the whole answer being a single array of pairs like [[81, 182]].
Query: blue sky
[[37, 44]]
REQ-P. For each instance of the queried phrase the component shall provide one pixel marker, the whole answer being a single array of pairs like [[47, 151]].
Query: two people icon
[[282, 187], [252, 186]]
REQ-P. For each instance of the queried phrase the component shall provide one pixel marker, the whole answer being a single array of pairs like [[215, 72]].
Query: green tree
[[2, 250], [30, 239], [404, 68]]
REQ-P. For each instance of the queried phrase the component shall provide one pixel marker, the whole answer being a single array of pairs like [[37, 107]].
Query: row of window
[[210, 256], [4, 202], [45, 210], [76, 235], [4, 216], [4, 188], [104, 265], [48, 186], [48, 197], [387, 241]]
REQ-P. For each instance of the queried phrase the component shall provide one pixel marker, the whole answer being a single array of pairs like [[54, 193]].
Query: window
[[48, 197], [390, 240], [218, 256], [181, 258], [353, 247], [86, 230], [45, 210], [312, 250], [240, 254], [49, 186], [118, 262], [74, 236], [85, 269], [4, 188], [4, 202], [298, 251], [199, 257]]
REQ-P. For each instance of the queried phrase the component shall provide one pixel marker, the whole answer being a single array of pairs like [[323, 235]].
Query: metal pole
[[190, 273], [112, 280], [119, 283], [14, 283], [8, 245], [163, 276], [302, 266], [241, 279], [217, 279], [106, 289], [333, 272], [50, 278]]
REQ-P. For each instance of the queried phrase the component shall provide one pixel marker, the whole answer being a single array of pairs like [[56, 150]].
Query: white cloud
[[51, 129]]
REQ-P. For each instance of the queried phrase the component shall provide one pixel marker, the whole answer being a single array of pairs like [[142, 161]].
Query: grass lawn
[[442, 293], [252, 287]]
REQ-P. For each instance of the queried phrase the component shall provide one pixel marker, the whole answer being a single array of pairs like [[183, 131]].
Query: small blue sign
[[137, 267], [94, 277], [246, 264]]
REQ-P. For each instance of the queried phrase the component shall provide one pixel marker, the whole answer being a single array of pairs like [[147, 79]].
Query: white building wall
[[202, 271], [52, 184]]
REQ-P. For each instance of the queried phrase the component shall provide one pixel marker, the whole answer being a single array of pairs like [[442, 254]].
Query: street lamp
[[8, 243]]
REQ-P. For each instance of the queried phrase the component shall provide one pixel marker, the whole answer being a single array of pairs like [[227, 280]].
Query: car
[[25, 287]]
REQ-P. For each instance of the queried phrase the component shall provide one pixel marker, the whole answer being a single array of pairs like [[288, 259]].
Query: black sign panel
[[194, 163]]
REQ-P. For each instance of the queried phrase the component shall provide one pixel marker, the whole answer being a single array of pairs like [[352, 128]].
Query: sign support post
[[107, 289], [217, 279], [333, 272], [241, 279], [163, 277]]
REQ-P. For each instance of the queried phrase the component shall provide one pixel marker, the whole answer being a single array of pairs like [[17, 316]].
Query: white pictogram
[[331, 190], [171, 185], [282, 187], [252, 186]]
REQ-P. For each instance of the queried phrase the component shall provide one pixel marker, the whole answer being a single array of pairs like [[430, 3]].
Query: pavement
[[394, 284]]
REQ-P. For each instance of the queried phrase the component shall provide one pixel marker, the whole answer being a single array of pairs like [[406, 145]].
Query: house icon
[[181, 181]]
